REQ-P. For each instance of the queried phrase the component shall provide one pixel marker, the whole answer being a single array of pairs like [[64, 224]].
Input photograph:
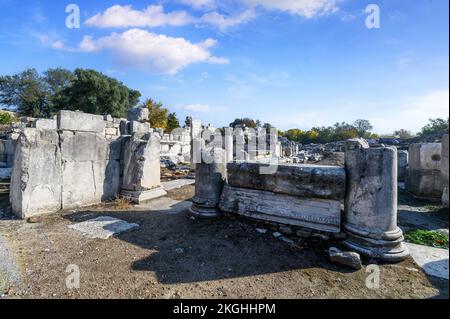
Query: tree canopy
[[435, 126], [172, 122], [157, 114], [245, 122], [338, 132], [43, 95]]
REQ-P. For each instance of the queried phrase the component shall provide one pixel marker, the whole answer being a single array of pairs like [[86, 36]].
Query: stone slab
[[433, 261], [45, 124], [178, 183], [103, 227], [89, 182], [138, 114], [139, 197], [426, 184], [425, 156], [83, 146], [317, 214], [138, 128], [82, 122], [306, 181], [36, 179]]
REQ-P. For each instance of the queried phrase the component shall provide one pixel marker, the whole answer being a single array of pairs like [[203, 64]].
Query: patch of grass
[[427, 238]]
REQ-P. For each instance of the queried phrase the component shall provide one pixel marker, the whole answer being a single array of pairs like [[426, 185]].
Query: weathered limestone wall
[[90, 169], [36, 183], [78, 164], [444, 170], [306, 181], [424, 178]]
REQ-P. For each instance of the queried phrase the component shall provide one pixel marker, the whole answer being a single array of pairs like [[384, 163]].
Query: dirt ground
[[174, 256]]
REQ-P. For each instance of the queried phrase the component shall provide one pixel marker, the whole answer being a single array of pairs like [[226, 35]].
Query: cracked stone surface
[[433, 261], [103, 227]]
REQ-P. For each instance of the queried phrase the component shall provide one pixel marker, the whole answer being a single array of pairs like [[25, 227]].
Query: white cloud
[[304, 8], [223, 22], [413, 113], [202, 108], [386, 116], [125, 16], [199, 4], [145, 50]]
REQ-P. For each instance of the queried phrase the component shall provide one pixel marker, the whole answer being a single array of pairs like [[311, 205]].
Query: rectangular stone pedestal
[[139, 197], [318, 214]]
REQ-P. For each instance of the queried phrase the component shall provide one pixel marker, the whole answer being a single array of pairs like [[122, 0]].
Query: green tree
[[25, 92], [32, 94], [172, 122], [157, 114], [435, 126], [244, 122], [95, 93], [363, 127]]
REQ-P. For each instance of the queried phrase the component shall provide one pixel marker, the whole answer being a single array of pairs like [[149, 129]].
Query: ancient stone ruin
[[78, 160]]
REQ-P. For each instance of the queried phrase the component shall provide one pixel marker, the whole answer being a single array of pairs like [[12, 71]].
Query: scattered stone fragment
[[286, 240], [304, 234], [261, 230], [35, 220], [340, 236], [286, 230], [349, 259], [277, 235], [179, 251], [321, 237]]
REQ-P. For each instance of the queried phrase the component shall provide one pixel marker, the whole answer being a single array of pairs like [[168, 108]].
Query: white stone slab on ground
[[103, 227], [178, 183], [434, 261]]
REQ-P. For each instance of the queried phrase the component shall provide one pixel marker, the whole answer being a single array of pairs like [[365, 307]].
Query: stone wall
[[73, 161], [424, 178], [444, 170]]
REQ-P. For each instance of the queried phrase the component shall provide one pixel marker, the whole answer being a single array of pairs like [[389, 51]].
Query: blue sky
[[293, 63]]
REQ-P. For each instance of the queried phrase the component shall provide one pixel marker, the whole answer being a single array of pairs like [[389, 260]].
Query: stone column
[[209, 182], [229, 144], [370, 218]]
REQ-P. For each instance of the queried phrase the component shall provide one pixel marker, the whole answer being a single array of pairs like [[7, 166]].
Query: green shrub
[[6, 118], [427, 238]]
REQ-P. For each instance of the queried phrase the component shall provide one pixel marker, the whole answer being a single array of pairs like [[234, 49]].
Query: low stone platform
[[139, 197]]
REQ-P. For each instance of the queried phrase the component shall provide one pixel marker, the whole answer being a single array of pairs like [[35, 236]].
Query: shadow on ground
[[188, 251]]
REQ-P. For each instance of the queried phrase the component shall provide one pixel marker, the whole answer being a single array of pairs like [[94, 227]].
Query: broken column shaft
[[209, 182], [371, 202]]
